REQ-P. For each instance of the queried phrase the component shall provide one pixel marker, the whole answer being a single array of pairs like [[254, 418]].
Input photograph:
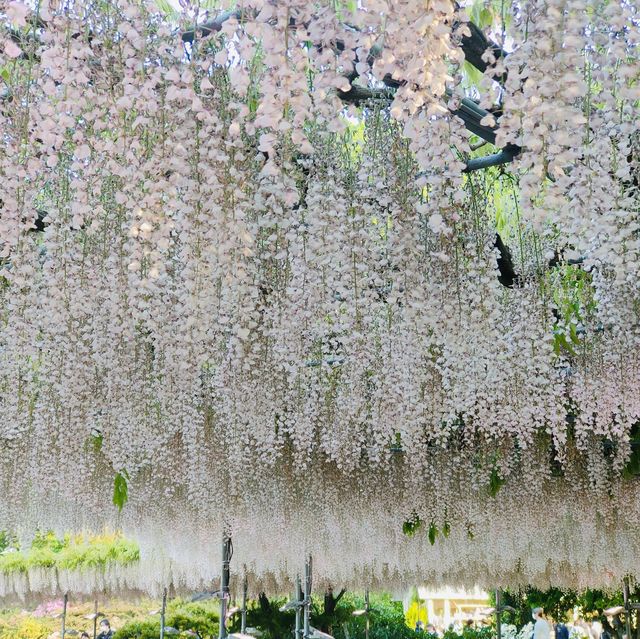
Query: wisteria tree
[[311, 270]]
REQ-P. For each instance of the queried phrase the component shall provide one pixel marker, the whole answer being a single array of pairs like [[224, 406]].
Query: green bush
[[265, 614], [139, 630], [558, 603], [201, 617], [6, 540], [387, 620], [13, 562], [26, 628], [68, 553]]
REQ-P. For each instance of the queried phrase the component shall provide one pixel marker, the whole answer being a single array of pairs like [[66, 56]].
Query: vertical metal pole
[[224, 585], [627, 606], [95, 619], [498, 614], [299, 598], [366, 607], [308, 571], [163, 613], [64, 614], [243, 618]]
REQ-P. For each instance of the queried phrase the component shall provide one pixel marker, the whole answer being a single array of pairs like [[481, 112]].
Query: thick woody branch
[[469, 112], [505, 156], [212, 26], [474, 46]]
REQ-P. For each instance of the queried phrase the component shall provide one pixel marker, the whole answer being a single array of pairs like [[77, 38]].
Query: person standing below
[[607, 629], [562, 632], [541, 628], [105, 630]]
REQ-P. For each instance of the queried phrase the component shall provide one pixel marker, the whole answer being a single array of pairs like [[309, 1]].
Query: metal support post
[[163, 612], [65, 601], [95, 619], [366, 607], [627, 606], [308, 572], [299, 597], [224, 586], [243, 618]]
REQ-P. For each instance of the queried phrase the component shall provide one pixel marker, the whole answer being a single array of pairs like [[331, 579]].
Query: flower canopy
[[254, 277]]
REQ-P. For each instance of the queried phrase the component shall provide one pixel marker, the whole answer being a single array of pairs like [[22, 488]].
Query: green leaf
[[97, 440], [632, 469], [446, 529], [167, 9], [481, 15], [573, 333], [412, 526], [120, 490], [486, 18], [472, 77], [4, 73], [495, 482], [560, 343], [474, 12], [433, 533]]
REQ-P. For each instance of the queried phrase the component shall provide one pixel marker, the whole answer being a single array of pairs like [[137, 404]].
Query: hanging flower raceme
[[249, 279]]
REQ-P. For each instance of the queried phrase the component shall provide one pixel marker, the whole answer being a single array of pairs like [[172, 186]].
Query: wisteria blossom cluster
[[262, 305]]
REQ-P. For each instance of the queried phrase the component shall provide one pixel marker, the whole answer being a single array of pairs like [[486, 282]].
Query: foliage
[[558, 603], [26, 628], [265, 614], [495, 482], [417, 611], [387, 619], [7, 540], [573, 297], [411, 526], [199, 617], [131, 620], [469, 633], [139, 630], [120, 489], [71, 553]]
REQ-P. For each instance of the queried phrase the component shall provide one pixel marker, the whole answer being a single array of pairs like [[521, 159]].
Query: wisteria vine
[[256, 303]]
